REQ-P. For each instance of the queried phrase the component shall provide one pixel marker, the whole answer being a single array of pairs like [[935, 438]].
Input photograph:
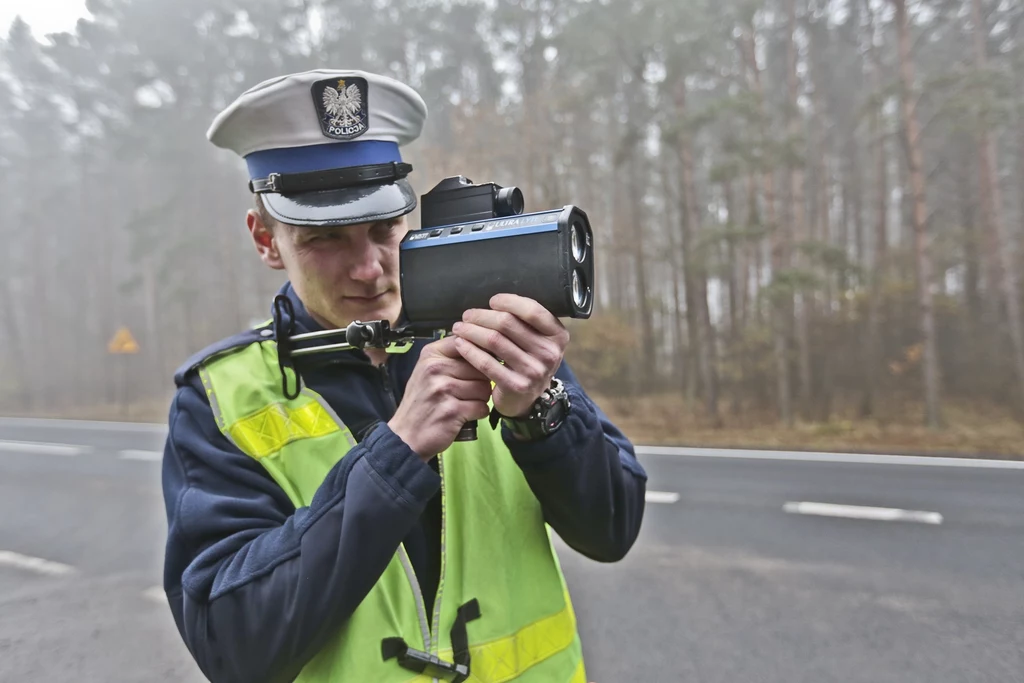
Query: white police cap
[[322, 146]]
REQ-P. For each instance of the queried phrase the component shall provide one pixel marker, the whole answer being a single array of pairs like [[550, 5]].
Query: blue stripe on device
[[413, 241], [321, 157]]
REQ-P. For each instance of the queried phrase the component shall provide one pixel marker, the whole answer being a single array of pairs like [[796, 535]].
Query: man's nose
[[366, 265]]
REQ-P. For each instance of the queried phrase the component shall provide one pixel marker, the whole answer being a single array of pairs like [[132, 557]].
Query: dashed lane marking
[[34, 564], [148, 456], [41, 448], [862, 512], [662, 497]]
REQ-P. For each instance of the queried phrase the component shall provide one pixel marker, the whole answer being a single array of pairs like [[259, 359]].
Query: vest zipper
[[385, 378], [421, 608], [436, 616], [426, 627]]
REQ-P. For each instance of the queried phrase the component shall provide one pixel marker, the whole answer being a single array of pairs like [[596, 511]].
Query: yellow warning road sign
[[123, 342]]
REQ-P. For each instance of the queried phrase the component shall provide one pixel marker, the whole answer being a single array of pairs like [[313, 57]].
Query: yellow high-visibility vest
[[496, 550]]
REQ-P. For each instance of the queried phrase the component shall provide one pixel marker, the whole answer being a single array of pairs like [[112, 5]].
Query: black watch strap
[[545, 417]]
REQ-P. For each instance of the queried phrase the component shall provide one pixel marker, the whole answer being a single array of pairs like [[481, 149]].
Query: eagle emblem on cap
[[343, 104], [342, 107]]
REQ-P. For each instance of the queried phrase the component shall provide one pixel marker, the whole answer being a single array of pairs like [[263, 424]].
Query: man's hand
[[523, 334], [443, 393]]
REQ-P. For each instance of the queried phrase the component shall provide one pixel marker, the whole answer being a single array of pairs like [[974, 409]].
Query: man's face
[[341, 274]]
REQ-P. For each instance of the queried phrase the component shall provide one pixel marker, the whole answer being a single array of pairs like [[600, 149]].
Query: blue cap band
[[321, 157]]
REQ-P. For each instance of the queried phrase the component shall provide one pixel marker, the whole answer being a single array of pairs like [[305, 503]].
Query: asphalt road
[[743, 571]]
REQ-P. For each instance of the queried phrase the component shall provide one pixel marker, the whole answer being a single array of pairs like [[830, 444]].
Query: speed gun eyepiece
[[509, 202]]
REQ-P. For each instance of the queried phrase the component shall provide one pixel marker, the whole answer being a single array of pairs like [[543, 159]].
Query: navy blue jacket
[[257, 587]]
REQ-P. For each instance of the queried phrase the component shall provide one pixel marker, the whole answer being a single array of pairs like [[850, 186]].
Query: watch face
[[546, 416], [554, 418]]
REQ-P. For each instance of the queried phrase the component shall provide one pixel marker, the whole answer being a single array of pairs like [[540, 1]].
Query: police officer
[[337, 531]]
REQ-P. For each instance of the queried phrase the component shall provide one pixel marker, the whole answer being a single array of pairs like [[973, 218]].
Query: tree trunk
[[818, 230], [779, 252], [858, 212], [780, 309], [992, 212], [632, 141], [695, 276], [619, 284], [919, 216], [878, 262], [756, 246], [640, 270], [730, 256], [847, 215], [974, 326], [15, 350], [796, 195], [1019, 92], [737, 270], [743, 275], [972, 258], [675, 264], [880, 246], [1020, 161]]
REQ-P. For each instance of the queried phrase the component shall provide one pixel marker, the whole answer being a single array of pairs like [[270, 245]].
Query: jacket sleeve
[[256, 586], [587, 478]]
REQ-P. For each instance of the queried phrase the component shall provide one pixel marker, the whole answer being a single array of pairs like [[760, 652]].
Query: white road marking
[[46, 423], [148, 456], [34, 564], [41, 448], [662, 497], [156, 594], [853, 458], [863, 512], [685, 451]]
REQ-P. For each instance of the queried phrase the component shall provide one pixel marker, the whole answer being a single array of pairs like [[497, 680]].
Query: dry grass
[[971, 429]]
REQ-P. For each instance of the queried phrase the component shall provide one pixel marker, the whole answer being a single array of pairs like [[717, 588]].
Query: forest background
[[809, 214]]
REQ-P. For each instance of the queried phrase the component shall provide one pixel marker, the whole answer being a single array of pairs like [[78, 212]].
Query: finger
[[442, 347], [518, 359], [529, 311], [448, 369], [441, 358], [501, 375], [451, 363], [470, 390], [523, 335], [458, 368], [536, 346], [474, 410]]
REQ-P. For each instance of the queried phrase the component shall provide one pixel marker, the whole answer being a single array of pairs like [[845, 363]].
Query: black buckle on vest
[[330, 179], [284, 326], [421, 662], [460, 639]]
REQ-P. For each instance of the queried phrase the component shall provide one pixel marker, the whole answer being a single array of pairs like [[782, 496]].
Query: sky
[[44, 16]]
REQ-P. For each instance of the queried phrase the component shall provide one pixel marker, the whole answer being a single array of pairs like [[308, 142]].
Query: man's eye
[[384, 231]]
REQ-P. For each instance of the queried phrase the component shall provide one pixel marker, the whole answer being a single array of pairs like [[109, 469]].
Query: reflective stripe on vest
[[503, 659], [495, 546]]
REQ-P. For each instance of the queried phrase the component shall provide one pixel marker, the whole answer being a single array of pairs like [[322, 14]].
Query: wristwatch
[[545, 417]]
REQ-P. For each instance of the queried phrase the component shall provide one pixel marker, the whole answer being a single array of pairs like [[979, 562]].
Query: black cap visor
[[346, 206]]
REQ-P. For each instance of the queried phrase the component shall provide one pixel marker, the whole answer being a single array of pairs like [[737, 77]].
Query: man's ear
[[264, 239]]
